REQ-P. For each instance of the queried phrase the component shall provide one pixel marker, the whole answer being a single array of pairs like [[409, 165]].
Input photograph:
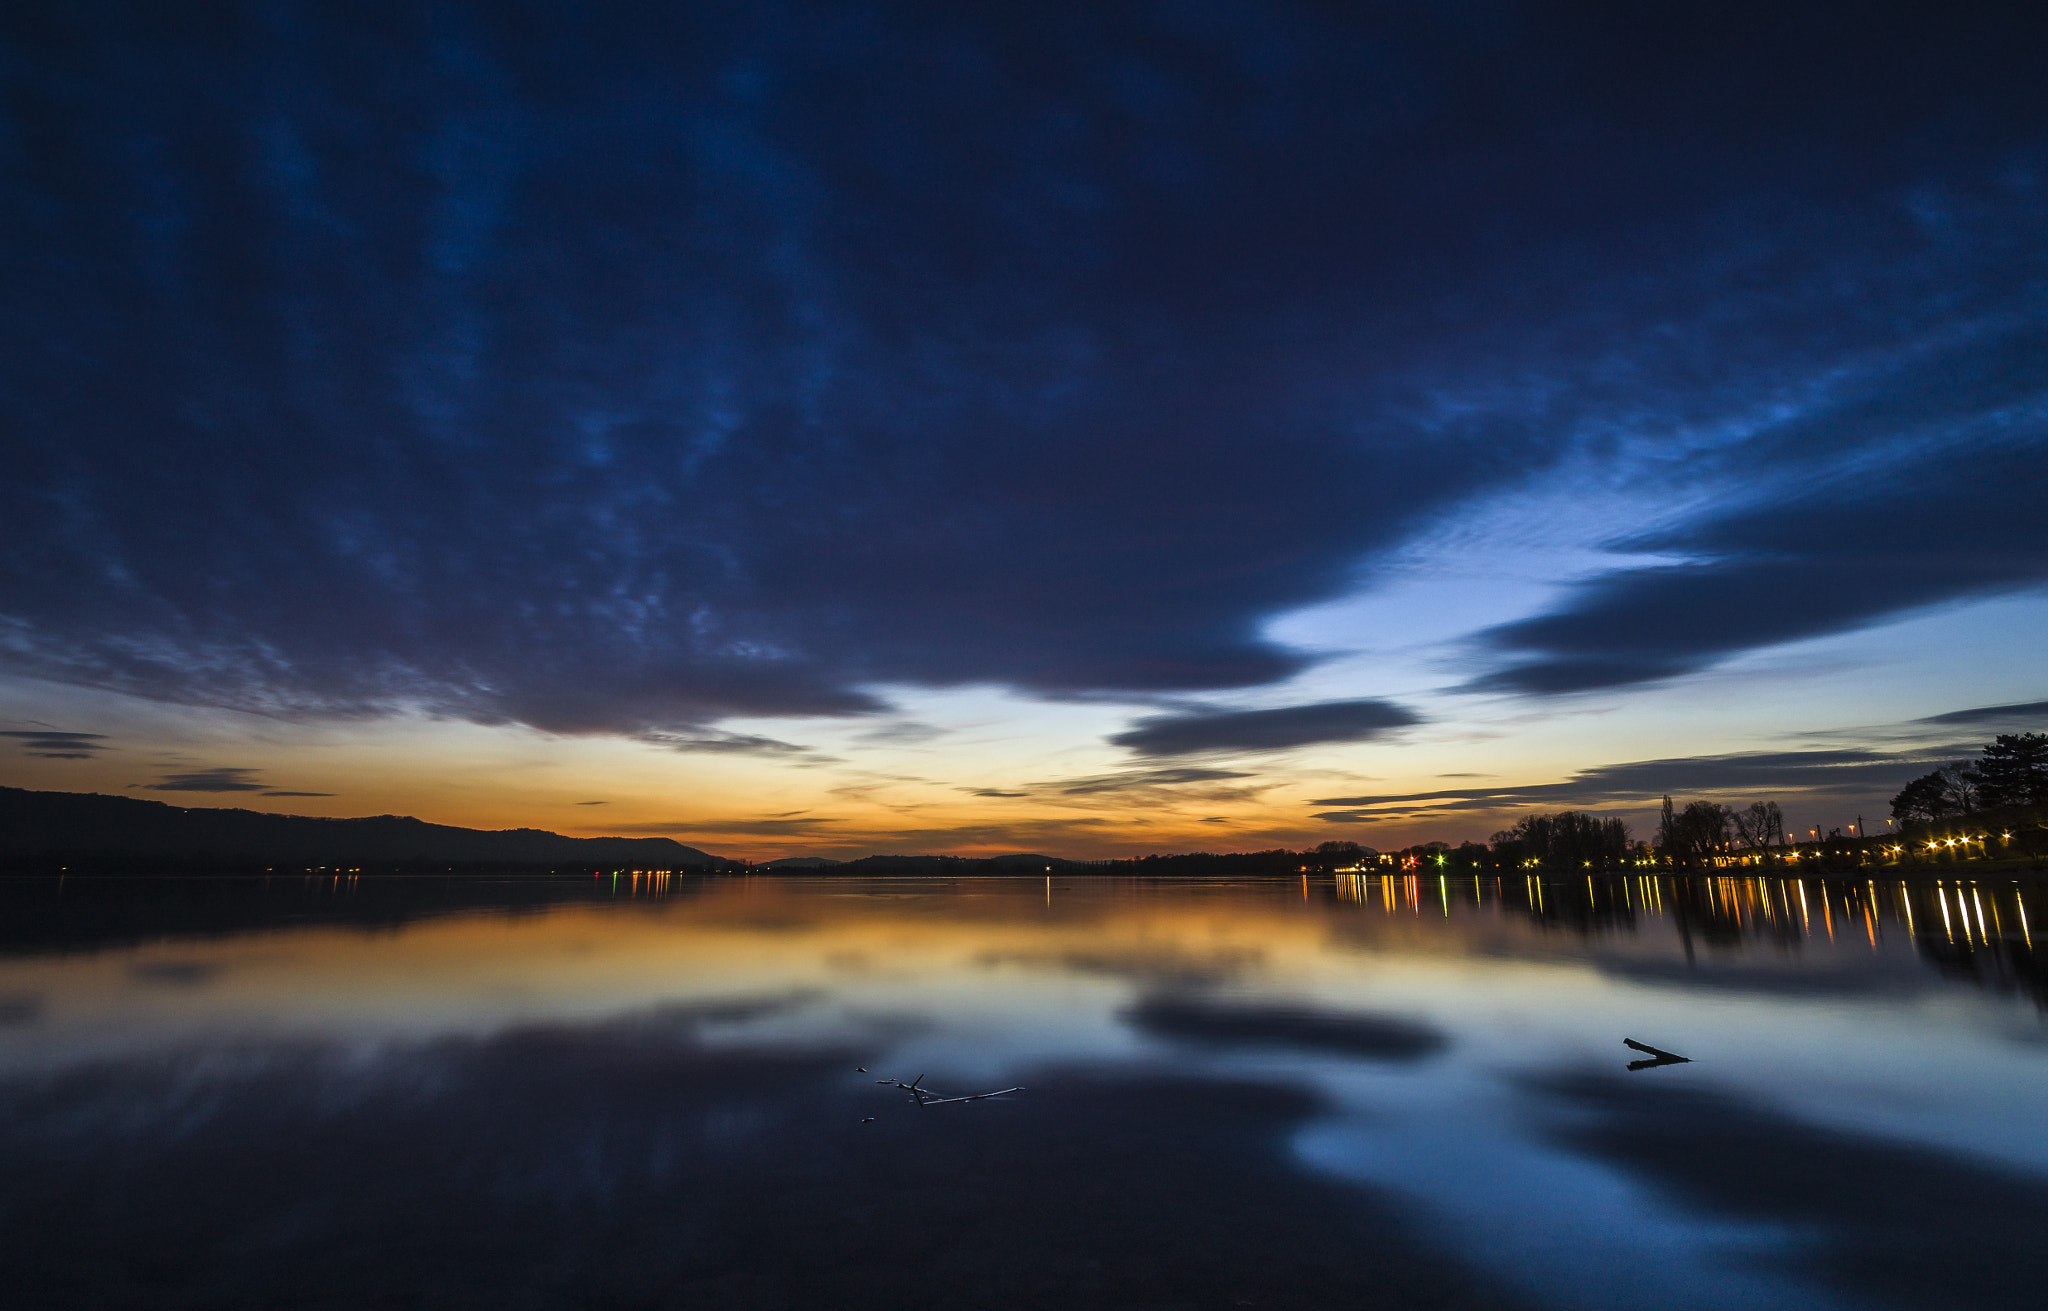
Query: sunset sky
[[1096, 429]]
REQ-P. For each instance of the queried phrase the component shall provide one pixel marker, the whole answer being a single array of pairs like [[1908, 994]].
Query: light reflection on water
[[1442, 1052]]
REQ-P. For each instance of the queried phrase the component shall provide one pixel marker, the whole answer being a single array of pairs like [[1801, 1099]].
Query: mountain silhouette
[[89, 825]]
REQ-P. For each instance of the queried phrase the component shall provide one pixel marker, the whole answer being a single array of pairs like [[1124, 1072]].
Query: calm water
[[1339, 1091]]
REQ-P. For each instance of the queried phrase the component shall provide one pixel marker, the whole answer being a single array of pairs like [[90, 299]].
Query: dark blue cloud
[[1993, 716], [1826, 773], [1205, 731], [219, 778], [1136, 780], [1918, 488], [719, 742], [49, 744], [623, 370]]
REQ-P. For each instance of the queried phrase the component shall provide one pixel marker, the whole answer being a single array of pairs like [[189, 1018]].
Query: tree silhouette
[[1948, 793], [1760, 825], [1926, 800], [2014, 770], [1692, 835], [1570, 837]]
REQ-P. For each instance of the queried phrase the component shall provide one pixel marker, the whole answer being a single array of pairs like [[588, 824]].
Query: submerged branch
[[947, 1101], [926, 1097]]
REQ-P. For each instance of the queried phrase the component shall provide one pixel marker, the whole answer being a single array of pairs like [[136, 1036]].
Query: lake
[[1339, 1090]]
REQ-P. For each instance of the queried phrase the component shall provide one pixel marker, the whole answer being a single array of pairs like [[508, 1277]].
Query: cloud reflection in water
[[1293, 1093]]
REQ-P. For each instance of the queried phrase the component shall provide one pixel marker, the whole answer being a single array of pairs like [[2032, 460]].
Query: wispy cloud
[[1138, 779], [220, 778], [712, 741], [901, 733], [2014, 716], [1833, 772], [50, 744], [1909, 481], [717, 742], [1200, 732]]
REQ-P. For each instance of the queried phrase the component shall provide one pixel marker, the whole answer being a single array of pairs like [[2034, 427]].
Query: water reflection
[[641, 1090], [1977, 932]]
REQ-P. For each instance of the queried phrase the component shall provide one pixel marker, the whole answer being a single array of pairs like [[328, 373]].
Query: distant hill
[[799, 862], [86, 825]]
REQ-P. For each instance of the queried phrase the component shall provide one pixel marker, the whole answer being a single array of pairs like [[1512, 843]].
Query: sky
[[844, 428]]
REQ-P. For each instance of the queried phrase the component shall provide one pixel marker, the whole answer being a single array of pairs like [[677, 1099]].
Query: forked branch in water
[[926, 1097], [1660, 1056]]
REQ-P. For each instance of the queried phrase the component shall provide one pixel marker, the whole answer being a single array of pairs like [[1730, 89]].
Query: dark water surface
[[1333, 1092]]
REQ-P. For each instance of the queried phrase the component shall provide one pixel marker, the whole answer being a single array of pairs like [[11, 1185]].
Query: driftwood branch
[[1661, 1057], [948, 1101], [924, 1096]]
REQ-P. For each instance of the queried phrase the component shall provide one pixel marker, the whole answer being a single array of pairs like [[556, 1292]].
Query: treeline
[[1692, 834], [2004, 789], [1569, 838], [1707, 829]]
